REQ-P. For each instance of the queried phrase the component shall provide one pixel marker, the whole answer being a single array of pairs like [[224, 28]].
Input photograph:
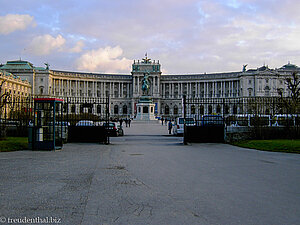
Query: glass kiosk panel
[[47, 128]]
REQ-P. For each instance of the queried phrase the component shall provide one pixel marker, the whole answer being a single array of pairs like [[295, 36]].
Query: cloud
[[105, 60], [45, 44], [78, 47], [14, 22]]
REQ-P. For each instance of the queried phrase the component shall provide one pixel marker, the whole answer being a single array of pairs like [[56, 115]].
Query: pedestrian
[[121, 122], [170, 126], [126, 121], [129, 121], [166, 120], [162, 121]]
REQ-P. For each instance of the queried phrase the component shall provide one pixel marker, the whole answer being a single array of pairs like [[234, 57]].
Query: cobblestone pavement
[[149, 177]]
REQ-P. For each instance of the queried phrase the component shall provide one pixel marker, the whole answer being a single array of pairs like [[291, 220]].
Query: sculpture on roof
[[244, 67], [47, 66], [146, 60]]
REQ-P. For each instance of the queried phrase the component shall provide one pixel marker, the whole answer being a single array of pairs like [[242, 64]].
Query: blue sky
[[187, 36]]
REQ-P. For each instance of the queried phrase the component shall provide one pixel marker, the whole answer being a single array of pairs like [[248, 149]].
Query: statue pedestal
[[145, 109]]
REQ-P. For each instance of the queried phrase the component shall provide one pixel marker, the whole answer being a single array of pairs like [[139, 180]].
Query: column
[[121, 90], [214, 89], [158, 86], [61, 87], [109, 92], [76, 88], [138, 85], [96, 89], [181, 91], [113, 90], [128, 90]]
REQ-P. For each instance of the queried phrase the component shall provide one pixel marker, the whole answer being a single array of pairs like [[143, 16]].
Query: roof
[[18, 64], [289, 66]]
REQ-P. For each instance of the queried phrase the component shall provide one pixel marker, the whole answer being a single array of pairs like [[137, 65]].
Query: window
[[175, 109], [267, 91], [201, 109], [193, 109], [145, 109], [250, 92], [98, 109], [234, 109], [73, 108], [218, 109], [167, 110], [210, 109], [116, 109], [124, 109]]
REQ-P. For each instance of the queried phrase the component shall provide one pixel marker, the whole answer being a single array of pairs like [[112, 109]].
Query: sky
[[186, 36]]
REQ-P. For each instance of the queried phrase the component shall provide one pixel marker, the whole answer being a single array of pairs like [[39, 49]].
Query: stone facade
[[166, 91], [15, 86]]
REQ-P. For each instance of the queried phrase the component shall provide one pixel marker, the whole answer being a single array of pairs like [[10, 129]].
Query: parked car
[[112, 129], [178, 128], [85, 123]]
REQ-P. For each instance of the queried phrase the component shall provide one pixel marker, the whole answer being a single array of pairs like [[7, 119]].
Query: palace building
[[14, 86], [166, 91]]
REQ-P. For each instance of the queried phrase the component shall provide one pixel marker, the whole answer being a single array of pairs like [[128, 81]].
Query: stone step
[[146, 121]]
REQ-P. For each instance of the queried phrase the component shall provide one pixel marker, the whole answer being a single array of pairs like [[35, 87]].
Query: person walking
[[129, 121], [162, 121], [126, 121], [170, 125]]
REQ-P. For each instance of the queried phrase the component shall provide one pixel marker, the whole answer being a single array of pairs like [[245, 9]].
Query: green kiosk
[[47, 129]]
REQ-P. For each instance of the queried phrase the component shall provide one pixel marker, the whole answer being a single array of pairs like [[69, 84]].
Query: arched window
[[201, 109], [124, 109], [267, 91], [218, 109], [98, 109], [41, 90], [73, 109], [234, 109], [193, 109], [116, 109], [210, 109], [167, 110], [175, 109], [226, 109]]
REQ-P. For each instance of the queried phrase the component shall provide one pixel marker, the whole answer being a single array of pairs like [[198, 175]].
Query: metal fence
[[16, 114], [267, 115], [250, 111]]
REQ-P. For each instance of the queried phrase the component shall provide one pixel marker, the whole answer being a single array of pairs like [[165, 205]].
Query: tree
[[292, 102], [4, 97]]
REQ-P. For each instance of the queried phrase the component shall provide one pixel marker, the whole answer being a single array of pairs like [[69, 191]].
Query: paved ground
[[148, 177]]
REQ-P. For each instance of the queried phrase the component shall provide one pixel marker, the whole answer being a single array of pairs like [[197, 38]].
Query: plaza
[[150, 177]]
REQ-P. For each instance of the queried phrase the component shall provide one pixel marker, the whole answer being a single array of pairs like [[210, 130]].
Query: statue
[[47, 66], [244, 67], [146, 60], [146, 84]]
